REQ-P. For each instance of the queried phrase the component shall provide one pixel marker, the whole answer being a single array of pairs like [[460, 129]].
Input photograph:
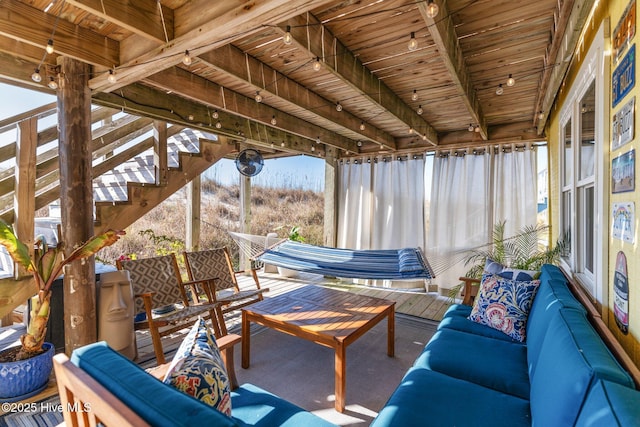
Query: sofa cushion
[[571, 359], [197, 369], [495, 364], [457, 317], [253, 406], [155, 402], [430, 398], [504, 304], [610, 405]]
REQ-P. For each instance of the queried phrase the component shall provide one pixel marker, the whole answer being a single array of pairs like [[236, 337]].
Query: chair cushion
[[494, 364], [457, 317], [155, 402], [198, 370], [253, 406], [426, 397], [504, 304], [610, 405]]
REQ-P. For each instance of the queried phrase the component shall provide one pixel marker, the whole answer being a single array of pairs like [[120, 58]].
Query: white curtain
[[354, 206]]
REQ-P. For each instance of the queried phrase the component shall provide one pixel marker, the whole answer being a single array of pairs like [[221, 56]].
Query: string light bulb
[[338, 106], [218, 125], [432, 9], [477, 129], [413, 43], [111, 78], [274, 121], [287, 38], [215, 114], [414, 95], [362, 126], [258, 97], [420, 110], [500, 90], [49, 47], [470, 128], [52, 83], [317, 65], [186, 59], [540, 115], [36, 77], [511, 81]]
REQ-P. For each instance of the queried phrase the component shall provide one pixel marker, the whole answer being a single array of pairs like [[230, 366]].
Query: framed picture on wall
[[623, 172]]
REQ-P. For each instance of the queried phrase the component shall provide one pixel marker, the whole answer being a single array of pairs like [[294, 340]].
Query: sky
[[303, 172]]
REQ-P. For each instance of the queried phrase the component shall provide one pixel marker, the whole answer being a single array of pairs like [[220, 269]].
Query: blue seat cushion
[[571, 359], [430, 398], [253, 406], [157, 403], [610, 405], [494, 364], [456, 317]]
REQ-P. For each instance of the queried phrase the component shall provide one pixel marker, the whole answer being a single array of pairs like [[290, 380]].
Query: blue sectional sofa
[[472, 375]]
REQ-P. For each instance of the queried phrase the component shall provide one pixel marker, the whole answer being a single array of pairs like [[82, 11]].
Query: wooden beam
[[206, 92], [442, 30], [246, 69], [33, 26], [142, 17], [194, 197], [160, 155], [24, 199], [200, 27], [316, 39]]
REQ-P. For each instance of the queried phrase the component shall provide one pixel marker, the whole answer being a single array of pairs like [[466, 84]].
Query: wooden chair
[[470, 290], [157, 284], [216, 263]]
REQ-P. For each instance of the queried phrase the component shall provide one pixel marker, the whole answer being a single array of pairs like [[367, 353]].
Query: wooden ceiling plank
[[202, 29], [308, 33], [248, 70], [444, 36], [141, 17], [33, 26]]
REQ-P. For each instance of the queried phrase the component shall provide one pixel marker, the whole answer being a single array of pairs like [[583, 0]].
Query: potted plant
[[45, 266], [294, 235]]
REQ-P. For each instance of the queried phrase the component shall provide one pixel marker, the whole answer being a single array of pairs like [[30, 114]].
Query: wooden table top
[[322, 311]]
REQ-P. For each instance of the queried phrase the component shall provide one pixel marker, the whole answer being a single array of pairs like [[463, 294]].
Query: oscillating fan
[[249, 162]]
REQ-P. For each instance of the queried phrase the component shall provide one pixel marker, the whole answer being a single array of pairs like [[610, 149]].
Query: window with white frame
[[581, 181]]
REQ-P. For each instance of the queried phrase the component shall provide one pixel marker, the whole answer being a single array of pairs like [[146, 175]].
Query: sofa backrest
[[571, 359], [610, 405], [157, 403]]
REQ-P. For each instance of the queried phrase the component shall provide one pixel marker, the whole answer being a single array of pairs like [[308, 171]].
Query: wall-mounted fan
[[249, 162]]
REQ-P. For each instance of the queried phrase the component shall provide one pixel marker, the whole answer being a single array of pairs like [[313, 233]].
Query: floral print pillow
[[504, 304]]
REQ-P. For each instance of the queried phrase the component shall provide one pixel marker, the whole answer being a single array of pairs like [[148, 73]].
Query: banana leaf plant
[[45, 266]]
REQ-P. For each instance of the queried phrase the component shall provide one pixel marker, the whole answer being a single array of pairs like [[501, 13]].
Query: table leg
[[391, 332], [246, 340], [341, 376]]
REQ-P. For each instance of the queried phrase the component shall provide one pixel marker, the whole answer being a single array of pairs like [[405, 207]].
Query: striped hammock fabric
[[391, 264]]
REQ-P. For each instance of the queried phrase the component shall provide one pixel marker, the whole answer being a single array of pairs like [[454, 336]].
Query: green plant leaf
[[18, 251]]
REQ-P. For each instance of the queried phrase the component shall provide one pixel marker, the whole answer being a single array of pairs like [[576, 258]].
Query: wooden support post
[[160, 160], [76, 200], [194, 196], [330, 198], [245, 216]]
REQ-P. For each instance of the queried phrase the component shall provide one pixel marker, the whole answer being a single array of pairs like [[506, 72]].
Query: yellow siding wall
[[613, 10]]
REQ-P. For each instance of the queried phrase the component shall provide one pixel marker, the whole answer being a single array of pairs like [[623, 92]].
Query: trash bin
[[116, 312]]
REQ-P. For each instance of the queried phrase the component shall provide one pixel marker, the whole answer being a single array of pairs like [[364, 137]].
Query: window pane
[[587, 132], [589, 228], [566, 222], [568, 154]]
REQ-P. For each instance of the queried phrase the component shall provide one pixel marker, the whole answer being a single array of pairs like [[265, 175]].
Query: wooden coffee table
[[327, 317]]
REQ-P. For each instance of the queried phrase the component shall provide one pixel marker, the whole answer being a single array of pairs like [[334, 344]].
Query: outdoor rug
[[45, 413]]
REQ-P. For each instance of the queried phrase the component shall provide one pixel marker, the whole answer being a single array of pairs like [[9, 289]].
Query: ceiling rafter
[[203, 91], [248, 70], [444, 36], [310, 34]]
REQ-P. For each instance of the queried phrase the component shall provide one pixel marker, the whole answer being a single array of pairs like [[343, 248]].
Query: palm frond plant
[[45, 266]]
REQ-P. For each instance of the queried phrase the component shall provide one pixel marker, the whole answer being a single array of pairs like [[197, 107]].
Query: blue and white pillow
[[197, 369], [504, 304], [494, 267]]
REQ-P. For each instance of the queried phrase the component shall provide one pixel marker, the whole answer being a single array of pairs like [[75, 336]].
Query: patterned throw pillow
[[504, 304], [197, 369], [494, 267]]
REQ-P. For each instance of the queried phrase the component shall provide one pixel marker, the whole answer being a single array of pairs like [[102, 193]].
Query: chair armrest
[[226, 344], [470, 289], [208, 286]]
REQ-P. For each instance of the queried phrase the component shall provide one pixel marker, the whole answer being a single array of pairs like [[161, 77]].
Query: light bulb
[[477, 129], [359, 143], [111, 78], [36, 77], [362, 127], [282, 144], [317, 65], [287, 38], [410, 130], [500, 90], [52, 83], [49, 47], [313, 148], [190, 117], [420, 110], [274, 121], [338, 106], [541, 115], [215, 114], [218, 125], [258, 97], [470, 128], [414, 95], [413, 43], [432, 9], [186, 59], [511, 81]]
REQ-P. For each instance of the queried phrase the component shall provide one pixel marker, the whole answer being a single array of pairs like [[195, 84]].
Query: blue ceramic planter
[[22, 379]]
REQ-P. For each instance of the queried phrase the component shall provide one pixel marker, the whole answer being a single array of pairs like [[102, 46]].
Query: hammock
[[392, 264]]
